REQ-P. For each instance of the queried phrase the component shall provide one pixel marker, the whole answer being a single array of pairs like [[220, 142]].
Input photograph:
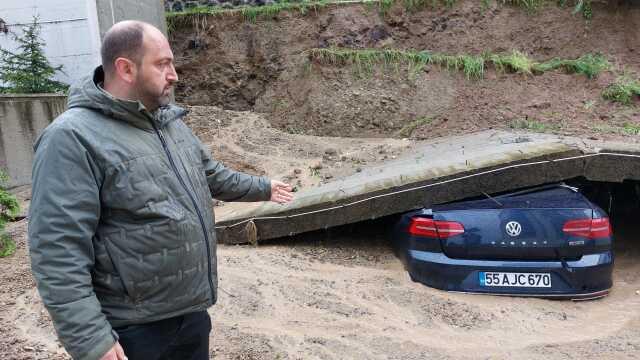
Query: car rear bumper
[[589, 277]]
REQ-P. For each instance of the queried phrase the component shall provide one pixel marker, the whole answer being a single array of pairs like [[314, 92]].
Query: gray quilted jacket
[[121, 224]]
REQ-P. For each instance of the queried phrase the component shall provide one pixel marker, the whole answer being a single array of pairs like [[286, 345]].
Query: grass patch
[[530, 6], [473, 66], [533, 125], [584, 7], [248, 13], [625, 129], [384, 6], [589, 64], [514, 62], [408, 129], [631, 129], [622, 91], [364, 60], [252, 13], [7, 246]]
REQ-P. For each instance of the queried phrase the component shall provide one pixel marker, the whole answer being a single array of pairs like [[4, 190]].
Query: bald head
[[125, 40], [138, 64]]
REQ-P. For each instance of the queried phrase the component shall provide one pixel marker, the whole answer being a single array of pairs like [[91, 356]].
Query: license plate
[[540, 280]]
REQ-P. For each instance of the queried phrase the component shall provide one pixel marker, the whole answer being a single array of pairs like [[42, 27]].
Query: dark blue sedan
[[546, 242]]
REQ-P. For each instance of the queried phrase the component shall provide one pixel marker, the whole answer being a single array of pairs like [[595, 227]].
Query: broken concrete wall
[[22, 119]]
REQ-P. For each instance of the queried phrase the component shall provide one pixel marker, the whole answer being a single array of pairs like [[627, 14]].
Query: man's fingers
[[110, 355], [285, 187], [120, 352], [281, 185], [282, 197], [281, 192], [285, 195], [284, 191]]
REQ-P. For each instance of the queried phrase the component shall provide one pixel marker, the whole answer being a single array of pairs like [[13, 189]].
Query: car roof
[[548, 197]]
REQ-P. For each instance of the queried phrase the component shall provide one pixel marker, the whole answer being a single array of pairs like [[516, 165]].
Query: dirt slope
[[261, 67]]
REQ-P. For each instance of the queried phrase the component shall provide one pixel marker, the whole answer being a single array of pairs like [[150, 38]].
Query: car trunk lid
[[521, 226]]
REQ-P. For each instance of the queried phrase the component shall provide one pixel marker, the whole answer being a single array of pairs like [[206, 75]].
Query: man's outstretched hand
[[116, 353], [280, 192]]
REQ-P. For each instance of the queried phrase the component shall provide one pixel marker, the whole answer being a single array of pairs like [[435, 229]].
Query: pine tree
[[28, 70]]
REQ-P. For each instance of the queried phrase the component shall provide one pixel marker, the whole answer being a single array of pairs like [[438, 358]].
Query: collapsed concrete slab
[[440, 171]]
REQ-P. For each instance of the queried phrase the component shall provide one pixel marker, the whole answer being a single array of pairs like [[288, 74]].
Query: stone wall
[[180, 5], [22, 119]]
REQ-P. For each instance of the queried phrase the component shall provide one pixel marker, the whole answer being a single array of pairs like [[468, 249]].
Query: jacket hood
[[86, 93]]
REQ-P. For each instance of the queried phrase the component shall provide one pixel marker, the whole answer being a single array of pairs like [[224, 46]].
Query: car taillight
[[588, 228], [434, 228]]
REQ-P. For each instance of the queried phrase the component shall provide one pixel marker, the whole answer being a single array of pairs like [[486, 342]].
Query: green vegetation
[[248, 13], [314, 171], [625, 129], [584, 7], [27, 71], [9, 208], [529, 5], [364, 61], [631, 129], [533, 125], [590, 65], [408, 129], [514, 62], [252, 13], [384, 6], [622, 90], [472, 66]]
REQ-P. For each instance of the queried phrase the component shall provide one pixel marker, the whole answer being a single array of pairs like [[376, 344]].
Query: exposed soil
[[246, 141], [261, 67], [343, 295]]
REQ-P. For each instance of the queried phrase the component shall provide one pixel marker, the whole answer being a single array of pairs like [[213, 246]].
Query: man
[[121, 229]]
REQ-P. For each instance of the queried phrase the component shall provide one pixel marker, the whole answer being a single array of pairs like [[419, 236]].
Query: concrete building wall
[[22, 119], [111, 11], [72, 29], [67, 28]]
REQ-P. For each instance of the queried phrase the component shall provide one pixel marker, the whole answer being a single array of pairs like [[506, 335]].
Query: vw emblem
[[513, 228]]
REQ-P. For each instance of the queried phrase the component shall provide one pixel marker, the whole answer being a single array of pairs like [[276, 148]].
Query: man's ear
[[126, 69]]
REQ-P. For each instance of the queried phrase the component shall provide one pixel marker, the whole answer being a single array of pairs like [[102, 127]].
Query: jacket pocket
[[106, 279], [121, 270]]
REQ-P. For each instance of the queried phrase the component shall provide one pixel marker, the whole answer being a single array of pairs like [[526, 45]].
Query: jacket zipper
[[195, 205]]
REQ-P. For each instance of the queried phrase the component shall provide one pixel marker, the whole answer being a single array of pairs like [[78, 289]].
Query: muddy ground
[[342, 294]]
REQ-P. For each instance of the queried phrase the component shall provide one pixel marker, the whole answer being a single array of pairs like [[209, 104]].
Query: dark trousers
[[183, 337]]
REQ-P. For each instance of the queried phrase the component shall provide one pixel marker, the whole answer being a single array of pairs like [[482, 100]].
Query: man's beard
[[152, 99]]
